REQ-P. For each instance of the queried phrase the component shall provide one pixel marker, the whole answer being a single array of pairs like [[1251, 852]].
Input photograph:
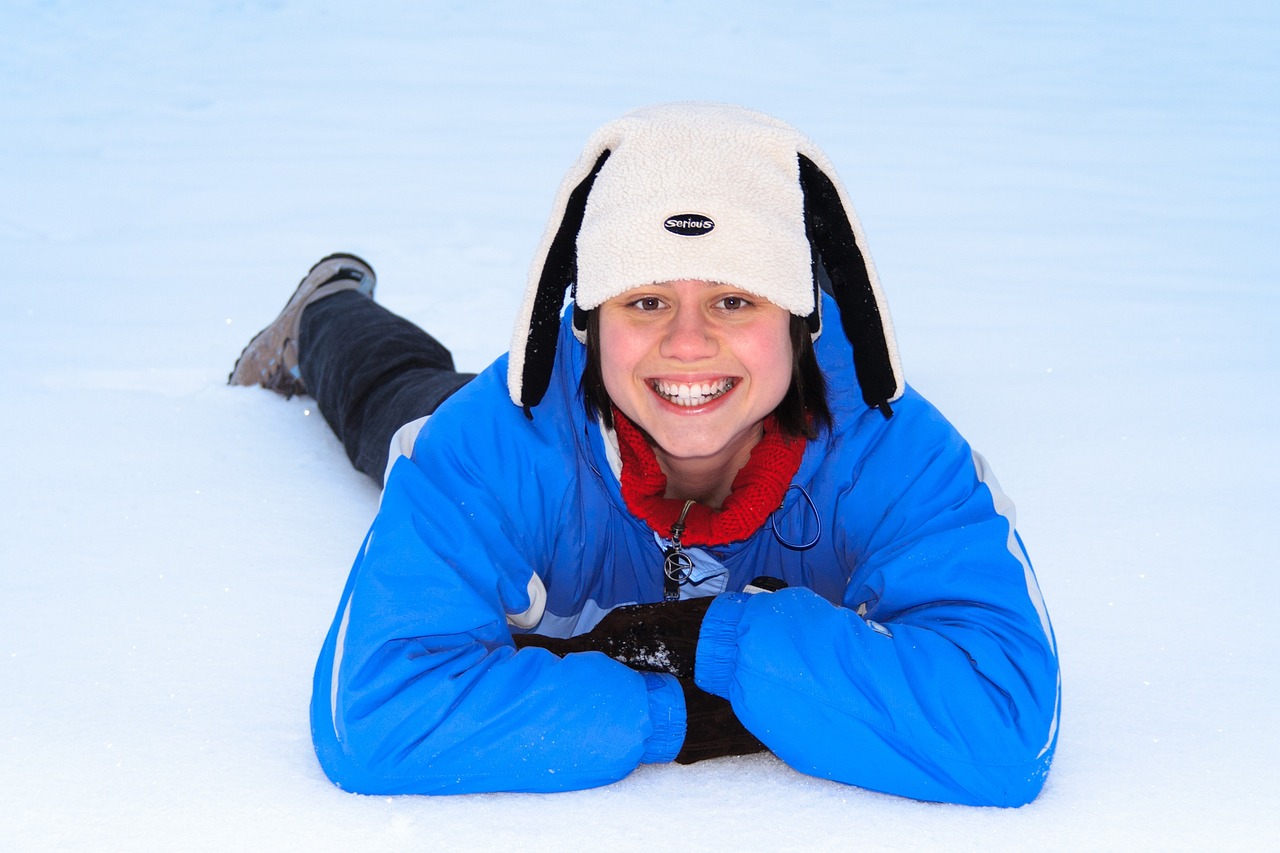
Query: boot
[[271, 358]]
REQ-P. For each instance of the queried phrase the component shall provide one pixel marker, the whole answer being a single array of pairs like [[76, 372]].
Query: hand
[[712, 729], [661, 637]]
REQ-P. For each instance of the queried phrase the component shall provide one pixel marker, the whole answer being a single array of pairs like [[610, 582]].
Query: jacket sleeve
[[419, 688], [936, 677]]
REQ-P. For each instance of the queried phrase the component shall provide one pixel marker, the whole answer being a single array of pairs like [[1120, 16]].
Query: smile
[[692, 393]]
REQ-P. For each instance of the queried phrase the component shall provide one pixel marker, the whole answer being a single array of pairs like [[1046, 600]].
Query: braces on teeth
[[692, 394]]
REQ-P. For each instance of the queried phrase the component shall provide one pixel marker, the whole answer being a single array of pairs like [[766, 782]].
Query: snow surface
[[1074, 209]]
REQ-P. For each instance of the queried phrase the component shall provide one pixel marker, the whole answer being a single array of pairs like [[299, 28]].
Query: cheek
[[617, 361], [771, 358]]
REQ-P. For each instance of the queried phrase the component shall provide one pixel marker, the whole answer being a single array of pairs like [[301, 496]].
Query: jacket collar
[[758, 489]]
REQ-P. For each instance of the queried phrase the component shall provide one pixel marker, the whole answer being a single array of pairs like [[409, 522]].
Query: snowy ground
[[1074, 208]]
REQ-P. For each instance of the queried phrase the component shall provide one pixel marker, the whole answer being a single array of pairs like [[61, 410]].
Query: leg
[[370, 373]]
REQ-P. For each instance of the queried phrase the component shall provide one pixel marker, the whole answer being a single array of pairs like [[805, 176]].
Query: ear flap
[[836, 252], [559, 273]]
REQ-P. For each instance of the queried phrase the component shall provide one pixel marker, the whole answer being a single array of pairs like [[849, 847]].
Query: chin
[[699, 441]]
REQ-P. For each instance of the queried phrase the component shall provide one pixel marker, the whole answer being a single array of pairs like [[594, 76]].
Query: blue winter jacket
[[911, 653]]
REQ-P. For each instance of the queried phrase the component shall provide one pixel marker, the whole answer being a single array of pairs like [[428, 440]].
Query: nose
[[690, 335]]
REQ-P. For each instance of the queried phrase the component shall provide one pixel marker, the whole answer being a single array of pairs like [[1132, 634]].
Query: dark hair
[[802, 412]]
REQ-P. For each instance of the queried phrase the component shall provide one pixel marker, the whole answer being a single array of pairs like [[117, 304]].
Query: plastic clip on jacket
[[677, 566]]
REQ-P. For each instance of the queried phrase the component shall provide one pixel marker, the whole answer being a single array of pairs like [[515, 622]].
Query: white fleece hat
[[707, 192]]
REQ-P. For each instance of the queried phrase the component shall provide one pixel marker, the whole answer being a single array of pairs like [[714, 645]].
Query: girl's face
[[696, 365]]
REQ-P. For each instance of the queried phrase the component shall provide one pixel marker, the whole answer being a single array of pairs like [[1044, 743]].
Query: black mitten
[[713, 730], [661, 637]]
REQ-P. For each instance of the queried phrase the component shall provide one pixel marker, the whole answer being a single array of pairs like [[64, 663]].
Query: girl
[[676, 521]]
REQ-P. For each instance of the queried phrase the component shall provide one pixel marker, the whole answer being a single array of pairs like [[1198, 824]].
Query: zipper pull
[[676, 564]]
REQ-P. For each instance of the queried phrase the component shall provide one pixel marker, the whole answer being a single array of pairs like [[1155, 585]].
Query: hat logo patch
[[689, 224]]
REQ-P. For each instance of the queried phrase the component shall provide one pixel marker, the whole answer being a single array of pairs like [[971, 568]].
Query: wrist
[[718, 643], [667, 716]]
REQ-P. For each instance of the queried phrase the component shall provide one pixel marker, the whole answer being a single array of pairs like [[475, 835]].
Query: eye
[[733, 303], [647, 303]]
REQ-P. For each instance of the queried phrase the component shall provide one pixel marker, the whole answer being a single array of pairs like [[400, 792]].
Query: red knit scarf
[[758, 489]]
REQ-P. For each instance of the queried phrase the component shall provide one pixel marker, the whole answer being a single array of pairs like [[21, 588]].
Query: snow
[[1073, 207]]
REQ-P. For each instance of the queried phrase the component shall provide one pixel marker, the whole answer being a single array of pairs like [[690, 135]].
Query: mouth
[[690, 394]]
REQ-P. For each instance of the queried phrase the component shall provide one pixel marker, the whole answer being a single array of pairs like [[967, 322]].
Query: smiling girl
[[700, 366], [715, 520]]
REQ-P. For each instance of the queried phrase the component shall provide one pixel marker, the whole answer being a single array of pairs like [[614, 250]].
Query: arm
[[419, 689], [936, 677], [663, 637]]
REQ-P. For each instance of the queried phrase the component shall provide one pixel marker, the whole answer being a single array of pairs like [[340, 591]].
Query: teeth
[[691, 394]]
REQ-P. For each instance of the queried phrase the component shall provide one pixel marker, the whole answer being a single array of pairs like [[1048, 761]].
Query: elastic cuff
[[718, 643], [667, 713]]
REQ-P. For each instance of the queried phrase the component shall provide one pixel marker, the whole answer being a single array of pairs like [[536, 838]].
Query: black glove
[[663, 637], [660, 637], [713, 730]]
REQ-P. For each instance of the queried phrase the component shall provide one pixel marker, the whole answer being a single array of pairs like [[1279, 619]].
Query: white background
[[1074, 210]]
